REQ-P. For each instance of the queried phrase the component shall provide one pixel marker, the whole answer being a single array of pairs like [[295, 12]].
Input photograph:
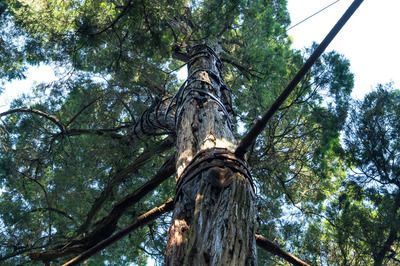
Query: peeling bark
[[214, 216]]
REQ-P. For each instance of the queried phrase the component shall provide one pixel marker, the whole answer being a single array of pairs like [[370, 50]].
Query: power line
[[310, 16]]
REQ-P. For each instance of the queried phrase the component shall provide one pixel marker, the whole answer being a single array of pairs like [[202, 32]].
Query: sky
[[34, 75], [370, 40]]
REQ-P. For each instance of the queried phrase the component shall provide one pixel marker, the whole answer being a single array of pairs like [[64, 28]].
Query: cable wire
[[312, 15]]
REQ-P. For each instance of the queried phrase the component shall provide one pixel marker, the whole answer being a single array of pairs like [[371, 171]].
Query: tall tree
[[101, 132], [374, 148], [363, 212]]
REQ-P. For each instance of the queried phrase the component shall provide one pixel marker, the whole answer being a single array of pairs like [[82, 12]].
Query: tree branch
[[108, 224], [273, 248], [19, 251], [120, 176], [114, 22], [157, 119], [157, 212], [98, 132], [52, 209], [50, 117], [393, 233], [140, 221], [81, 111], [244, 69], [105, 227]]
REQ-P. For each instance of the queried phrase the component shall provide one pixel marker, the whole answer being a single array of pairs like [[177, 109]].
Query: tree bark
[[214, 215]]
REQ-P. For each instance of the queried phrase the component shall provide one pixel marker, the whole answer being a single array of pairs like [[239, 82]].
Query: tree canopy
[[86, 155]]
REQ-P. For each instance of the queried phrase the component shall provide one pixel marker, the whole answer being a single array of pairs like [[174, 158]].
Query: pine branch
[[81, 111], [50, 117], [244, 69], [122, 175], [157, 212], [108, 225], [19, 251], [124, 12], [55, 210]]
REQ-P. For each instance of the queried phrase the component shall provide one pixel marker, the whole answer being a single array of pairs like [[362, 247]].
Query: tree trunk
[[380, 256], [214, 216]]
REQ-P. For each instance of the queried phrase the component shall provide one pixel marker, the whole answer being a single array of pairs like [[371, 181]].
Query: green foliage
[[363, 213], [114, 59]]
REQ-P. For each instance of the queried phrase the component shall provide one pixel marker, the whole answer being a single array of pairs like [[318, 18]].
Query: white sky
[[370, 40], [38, 74]]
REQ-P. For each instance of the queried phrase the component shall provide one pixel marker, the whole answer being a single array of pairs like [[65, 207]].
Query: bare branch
[[99, 132], [81, 111], [158, 119], [180, 55], [273, 248]]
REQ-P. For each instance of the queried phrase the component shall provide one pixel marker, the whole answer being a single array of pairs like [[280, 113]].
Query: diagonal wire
[[312, 15]]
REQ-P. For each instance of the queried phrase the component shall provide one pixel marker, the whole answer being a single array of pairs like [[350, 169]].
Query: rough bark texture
[[214, 216]]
